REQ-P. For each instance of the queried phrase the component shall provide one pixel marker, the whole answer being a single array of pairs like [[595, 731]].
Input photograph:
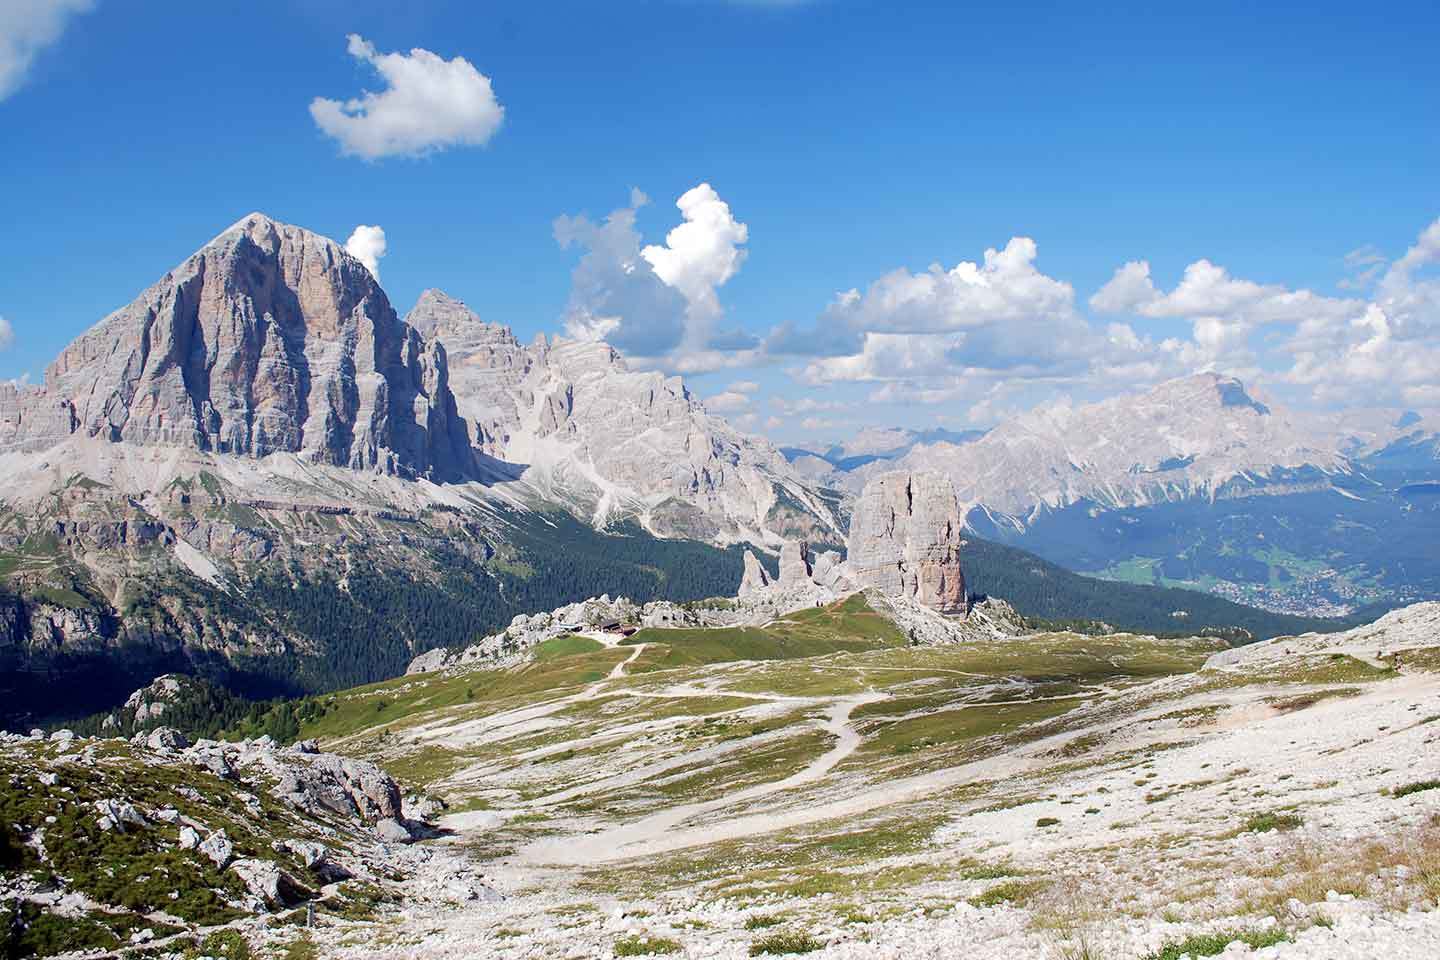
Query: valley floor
[[1051, 796]]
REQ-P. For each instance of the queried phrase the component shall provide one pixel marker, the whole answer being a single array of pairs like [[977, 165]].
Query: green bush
[[1415, 787], [781, 943], [1209, 944], [1266, 822], [636, 946]]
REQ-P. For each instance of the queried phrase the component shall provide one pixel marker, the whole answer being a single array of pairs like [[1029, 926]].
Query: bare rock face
[[595, 434], [755, 577], [905, 540], [795, 562], [340, 785], [488, 367], [268, 339]]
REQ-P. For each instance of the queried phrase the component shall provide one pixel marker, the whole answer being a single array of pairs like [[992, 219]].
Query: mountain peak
[[436, 311], [1232, 394], [256, 222], [268, 339]]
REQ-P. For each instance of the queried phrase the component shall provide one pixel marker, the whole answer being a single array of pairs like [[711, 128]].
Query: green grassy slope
[[847, 626]]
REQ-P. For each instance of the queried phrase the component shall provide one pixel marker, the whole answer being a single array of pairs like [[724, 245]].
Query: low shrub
[[1415, 787], [783, 943], [1210, 944], [1266, 822], [644, 946]]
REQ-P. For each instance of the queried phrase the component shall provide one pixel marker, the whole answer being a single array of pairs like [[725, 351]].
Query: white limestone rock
[[755, 577], [905, 537], [218, 848], [794, 562]]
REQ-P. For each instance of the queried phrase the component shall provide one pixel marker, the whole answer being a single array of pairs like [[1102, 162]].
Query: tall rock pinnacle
[[905, 539]]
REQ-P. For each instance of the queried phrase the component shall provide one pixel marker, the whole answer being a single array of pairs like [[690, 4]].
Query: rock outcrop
[[905, 540], [795, 562], [755, 577], [528, 630], [160, 806]]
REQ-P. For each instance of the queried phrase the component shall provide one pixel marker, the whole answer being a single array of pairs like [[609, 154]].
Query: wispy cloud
[[26, 28]]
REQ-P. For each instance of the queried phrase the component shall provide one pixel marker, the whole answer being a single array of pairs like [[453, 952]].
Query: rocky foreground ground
[[817, 784]]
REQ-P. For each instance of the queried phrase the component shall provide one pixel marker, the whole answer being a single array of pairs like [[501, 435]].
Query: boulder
[[189, 838], [905, 536], [212, 758], [218, 848], [755, 577], [117, 815], [392, 831], [164, 740], [827, 568], [423, 808], [352, 788], [266, 883]]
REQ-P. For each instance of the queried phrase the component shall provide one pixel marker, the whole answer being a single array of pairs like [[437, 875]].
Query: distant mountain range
[[842, 464], [1197, 483]]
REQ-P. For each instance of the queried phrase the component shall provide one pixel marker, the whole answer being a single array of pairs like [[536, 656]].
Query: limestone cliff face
[[905, 539], [268, 339], [588, 431], [488, 367]]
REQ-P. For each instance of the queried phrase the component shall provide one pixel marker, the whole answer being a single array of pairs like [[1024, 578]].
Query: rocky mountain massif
[[581, 429], [258, 472], [905, 540]]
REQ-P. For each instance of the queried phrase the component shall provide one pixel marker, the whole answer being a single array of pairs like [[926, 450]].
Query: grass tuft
[[1013, 891], [637, 946], [783, 943], [1210, 944], [1266, 822]]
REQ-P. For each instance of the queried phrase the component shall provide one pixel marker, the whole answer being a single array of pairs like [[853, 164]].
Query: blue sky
[[851, 139]]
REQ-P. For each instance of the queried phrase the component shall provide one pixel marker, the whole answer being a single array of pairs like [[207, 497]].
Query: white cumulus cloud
[[7, 334], [367, 244], [1001, 314], [26, 28], [698, 257], [428, 104], [658, 302], [1384, 348]]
